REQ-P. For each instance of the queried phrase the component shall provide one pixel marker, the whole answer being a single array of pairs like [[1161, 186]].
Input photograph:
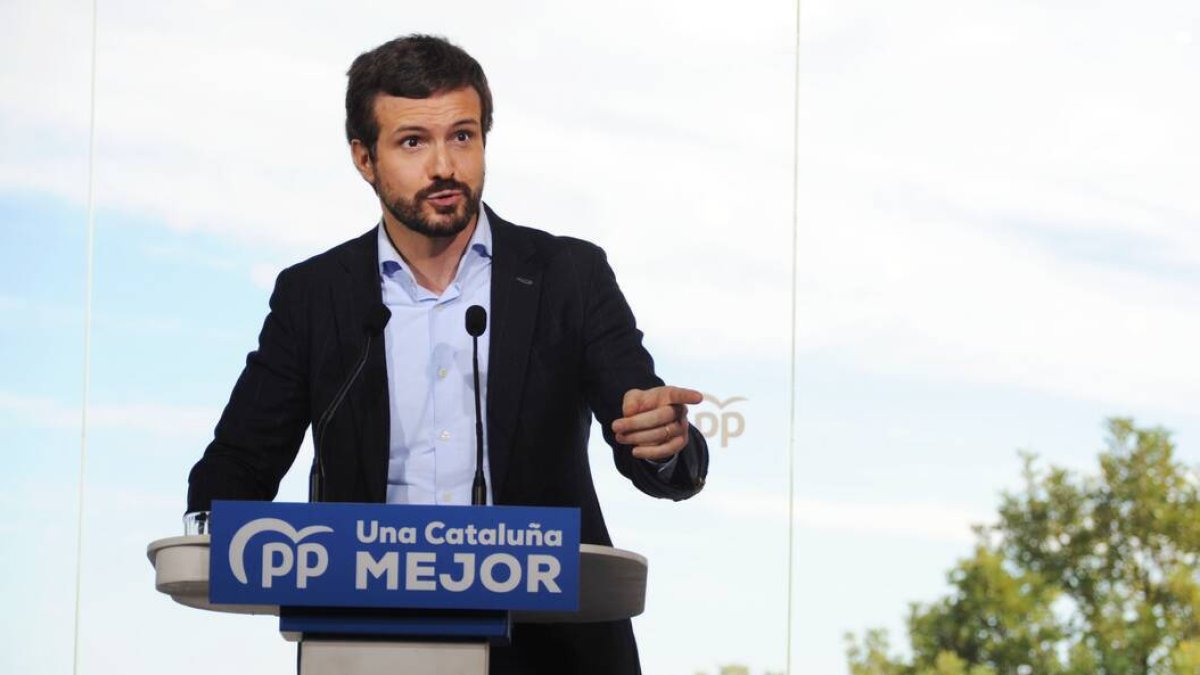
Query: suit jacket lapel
[[516, 289], [368, 402]]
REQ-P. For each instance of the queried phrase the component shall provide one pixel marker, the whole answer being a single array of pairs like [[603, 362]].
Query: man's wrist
[[664, 467]]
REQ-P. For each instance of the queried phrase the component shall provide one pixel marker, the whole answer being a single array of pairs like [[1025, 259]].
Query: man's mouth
[[444, 197]]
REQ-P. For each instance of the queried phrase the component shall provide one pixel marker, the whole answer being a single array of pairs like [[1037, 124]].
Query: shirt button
[[445, 435], [447, 496], [442, 373]]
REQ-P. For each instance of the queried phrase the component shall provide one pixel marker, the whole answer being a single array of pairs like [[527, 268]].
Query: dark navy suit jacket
[[564, 346]]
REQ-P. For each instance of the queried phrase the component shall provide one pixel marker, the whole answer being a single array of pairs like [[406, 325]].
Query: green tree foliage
[[1082, 575]]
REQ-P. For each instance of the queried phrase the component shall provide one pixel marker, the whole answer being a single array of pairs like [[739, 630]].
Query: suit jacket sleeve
[[614, 362], [261, 429]]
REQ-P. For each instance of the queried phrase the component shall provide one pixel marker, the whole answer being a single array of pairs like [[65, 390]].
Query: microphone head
[[377, 318], [476, 320]]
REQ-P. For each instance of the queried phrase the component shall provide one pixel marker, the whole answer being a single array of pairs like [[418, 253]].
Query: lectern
[[368, 589]]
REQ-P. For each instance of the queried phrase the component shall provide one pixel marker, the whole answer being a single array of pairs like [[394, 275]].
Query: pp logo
[[724, 423], [309, 559]]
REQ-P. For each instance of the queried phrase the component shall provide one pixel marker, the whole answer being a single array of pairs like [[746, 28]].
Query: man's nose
[[441, 163]]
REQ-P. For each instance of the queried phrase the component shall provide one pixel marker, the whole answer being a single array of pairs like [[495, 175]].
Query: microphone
[[477, 323], [476, 320], [376, 319]]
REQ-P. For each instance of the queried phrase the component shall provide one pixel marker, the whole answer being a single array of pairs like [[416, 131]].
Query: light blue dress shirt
[[431, 384]]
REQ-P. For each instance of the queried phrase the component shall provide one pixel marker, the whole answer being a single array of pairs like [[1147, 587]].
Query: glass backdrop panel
[[661, 131], [45, 60], [999, 247]]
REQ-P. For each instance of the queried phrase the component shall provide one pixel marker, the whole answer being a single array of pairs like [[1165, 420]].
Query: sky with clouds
[[996, 246]]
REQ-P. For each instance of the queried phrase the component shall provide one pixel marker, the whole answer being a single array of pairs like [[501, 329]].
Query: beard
[[412, 216]]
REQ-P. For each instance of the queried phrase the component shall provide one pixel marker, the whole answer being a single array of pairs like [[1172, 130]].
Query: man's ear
[[360, 154]]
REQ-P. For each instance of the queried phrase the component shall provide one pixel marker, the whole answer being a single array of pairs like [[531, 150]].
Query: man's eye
[[410, 142], [462, 136]]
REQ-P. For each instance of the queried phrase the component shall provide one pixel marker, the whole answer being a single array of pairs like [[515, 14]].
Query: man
[[561, 345]]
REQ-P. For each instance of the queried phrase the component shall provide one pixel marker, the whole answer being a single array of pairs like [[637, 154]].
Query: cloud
[[151, 418], [28, 312], [183, 254], [10, 303], [263, 275], [204, 126], [1015, 108], [952, 159], [921, 293], [1005, 200], [926, 520]]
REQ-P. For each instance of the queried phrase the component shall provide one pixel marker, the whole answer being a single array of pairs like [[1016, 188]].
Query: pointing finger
[[639, 400], [682, 395]]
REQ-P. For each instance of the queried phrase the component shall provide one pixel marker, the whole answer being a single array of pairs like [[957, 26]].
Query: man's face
[[428, 166]]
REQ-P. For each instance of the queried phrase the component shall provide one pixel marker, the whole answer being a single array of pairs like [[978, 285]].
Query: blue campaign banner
[[393, 555]]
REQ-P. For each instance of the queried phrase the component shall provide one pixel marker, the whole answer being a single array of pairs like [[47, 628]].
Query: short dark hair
[[413, 66]]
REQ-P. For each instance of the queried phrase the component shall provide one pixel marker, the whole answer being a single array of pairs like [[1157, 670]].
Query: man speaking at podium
[[367, 342]]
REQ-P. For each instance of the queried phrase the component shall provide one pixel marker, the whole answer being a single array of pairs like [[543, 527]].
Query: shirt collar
[[480, 246]]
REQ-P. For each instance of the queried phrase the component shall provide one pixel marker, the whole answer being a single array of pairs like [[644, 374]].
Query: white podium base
[[359, 657]]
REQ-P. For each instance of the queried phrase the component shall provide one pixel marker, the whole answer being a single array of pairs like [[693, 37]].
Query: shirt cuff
[[665, 468]]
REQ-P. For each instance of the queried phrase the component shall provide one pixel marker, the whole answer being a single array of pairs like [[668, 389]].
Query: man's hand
[[655, 421]]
